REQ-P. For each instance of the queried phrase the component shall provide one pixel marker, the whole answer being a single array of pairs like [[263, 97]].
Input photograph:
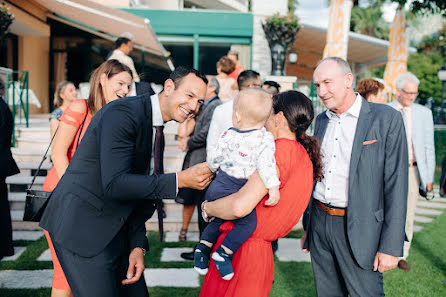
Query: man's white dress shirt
[[336, 150]]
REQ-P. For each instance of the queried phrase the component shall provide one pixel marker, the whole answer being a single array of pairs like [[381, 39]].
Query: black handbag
[[37, 200]]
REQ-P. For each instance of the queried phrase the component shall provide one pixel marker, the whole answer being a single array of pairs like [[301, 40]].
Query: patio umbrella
[[338, 28], [397, 53]]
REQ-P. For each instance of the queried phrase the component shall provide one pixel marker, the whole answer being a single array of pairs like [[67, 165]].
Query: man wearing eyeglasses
[[420, 141]]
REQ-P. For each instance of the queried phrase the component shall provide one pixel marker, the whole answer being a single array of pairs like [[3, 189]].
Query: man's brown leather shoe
[[402, 264]]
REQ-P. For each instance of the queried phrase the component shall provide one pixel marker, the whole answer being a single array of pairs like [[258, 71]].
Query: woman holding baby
[[299, 166]]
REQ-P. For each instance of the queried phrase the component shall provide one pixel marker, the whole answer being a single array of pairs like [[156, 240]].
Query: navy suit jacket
[[106, 184], [377, 185], [8, 166]]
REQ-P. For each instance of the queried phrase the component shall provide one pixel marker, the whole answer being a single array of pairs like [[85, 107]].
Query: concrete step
[[17, 200], [32, 143], [29, 155], [35, 132], [21, 183], [29, 169]]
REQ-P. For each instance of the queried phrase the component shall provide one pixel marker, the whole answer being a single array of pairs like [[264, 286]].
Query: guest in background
[[64, 95], [371, 90], [271, 87], [233, 55], [8, 167], [228, 85], [222, 118], [196, 153], [112, 80], [419, 127], [123, 48]]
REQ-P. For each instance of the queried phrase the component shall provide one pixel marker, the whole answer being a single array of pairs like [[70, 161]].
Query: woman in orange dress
[[299, 165], [110, 81]]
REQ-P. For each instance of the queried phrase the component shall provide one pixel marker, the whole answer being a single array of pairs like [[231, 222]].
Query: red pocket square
[[369, 142]]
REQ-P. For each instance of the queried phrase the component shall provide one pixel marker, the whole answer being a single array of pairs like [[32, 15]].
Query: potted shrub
[[6, 19], [280, 32]]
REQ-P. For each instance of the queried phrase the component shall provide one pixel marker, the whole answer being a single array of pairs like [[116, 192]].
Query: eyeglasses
[[409, 93]]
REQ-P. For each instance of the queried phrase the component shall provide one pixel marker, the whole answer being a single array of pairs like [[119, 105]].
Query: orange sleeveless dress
[[74, 119], [253, 263]]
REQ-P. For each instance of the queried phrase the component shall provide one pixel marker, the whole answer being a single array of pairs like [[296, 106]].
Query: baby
[[241, 150]]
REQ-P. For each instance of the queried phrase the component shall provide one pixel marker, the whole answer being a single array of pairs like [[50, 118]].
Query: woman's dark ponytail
[[298, 110]]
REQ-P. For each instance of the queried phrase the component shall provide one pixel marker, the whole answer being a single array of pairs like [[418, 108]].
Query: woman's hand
[[238, 204]]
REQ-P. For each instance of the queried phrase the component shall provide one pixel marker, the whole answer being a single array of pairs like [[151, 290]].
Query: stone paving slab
[[26, 279], [162, 277], [173, 254], [290, 251], [18, 251], [431, 204], [26, 235], [172, 277], [422, 219], [417, 228], [173, 236], [427, 211], [45, 256]]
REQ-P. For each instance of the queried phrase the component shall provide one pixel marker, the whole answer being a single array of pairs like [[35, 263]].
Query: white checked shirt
[[157, 120], [336, 150]]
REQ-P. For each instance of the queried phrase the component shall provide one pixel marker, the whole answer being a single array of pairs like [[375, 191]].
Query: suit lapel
[[321, 126], [149, 131], [362, 128]]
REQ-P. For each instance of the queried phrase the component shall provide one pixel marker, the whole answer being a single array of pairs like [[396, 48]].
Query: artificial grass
[[426, 278]]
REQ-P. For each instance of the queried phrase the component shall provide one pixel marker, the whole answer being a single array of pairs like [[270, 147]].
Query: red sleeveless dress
[[254, 262], [74, 119]]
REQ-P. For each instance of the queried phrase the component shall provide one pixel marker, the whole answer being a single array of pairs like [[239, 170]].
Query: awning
[[109, 23]]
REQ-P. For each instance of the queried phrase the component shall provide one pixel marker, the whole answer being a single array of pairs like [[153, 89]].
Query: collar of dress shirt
[[354, 110], [157, 116], [208, 101], [400, 107]]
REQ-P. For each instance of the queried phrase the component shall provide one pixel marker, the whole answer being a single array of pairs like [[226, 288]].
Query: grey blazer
[[378, 183], [197, 142]]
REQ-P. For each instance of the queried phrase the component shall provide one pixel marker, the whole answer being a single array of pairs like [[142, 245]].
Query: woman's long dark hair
[[298, 111]]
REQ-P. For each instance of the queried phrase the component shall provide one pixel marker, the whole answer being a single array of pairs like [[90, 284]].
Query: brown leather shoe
[[403, 265]]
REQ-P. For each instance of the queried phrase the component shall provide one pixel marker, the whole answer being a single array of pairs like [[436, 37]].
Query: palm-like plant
[[369, 21]]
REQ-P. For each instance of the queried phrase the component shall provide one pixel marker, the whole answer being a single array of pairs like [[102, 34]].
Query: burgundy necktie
[[158, 168]]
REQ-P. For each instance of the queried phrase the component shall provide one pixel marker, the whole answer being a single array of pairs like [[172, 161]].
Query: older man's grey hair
[[404, 78], [214, 83], [2, 87], [343, 65]]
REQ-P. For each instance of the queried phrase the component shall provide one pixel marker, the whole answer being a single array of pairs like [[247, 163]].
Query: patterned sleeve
[[215, 155], [56, 114], [71, 117], [266, 162]]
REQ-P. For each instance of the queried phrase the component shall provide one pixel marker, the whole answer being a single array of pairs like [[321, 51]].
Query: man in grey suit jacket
[[355, 221], [419, 126]]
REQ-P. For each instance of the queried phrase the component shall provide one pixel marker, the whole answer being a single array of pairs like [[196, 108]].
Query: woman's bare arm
[[238, 204], [61, 144]]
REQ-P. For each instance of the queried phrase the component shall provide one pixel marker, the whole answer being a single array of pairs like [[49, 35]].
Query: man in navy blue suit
[[96, 214]]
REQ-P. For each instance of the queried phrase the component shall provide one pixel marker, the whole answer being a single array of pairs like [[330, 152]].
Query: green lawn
[[426, 278]]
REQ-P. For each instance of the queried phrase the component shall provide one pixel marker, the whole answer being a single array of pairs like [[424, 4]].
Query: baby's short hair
[[254, 105]]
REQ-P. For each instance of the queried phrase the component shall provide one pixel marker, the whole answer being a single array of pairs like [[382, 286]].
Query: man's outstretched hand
[[136, 266], [196, 177]]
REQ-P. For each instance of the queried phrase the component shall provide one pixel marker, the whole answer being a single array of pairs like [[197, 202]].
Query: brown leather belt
[[340, 212]]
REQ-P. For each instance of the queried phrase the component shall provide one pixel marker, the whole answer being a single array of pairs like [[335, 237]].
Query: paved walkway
[[289, 251]]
